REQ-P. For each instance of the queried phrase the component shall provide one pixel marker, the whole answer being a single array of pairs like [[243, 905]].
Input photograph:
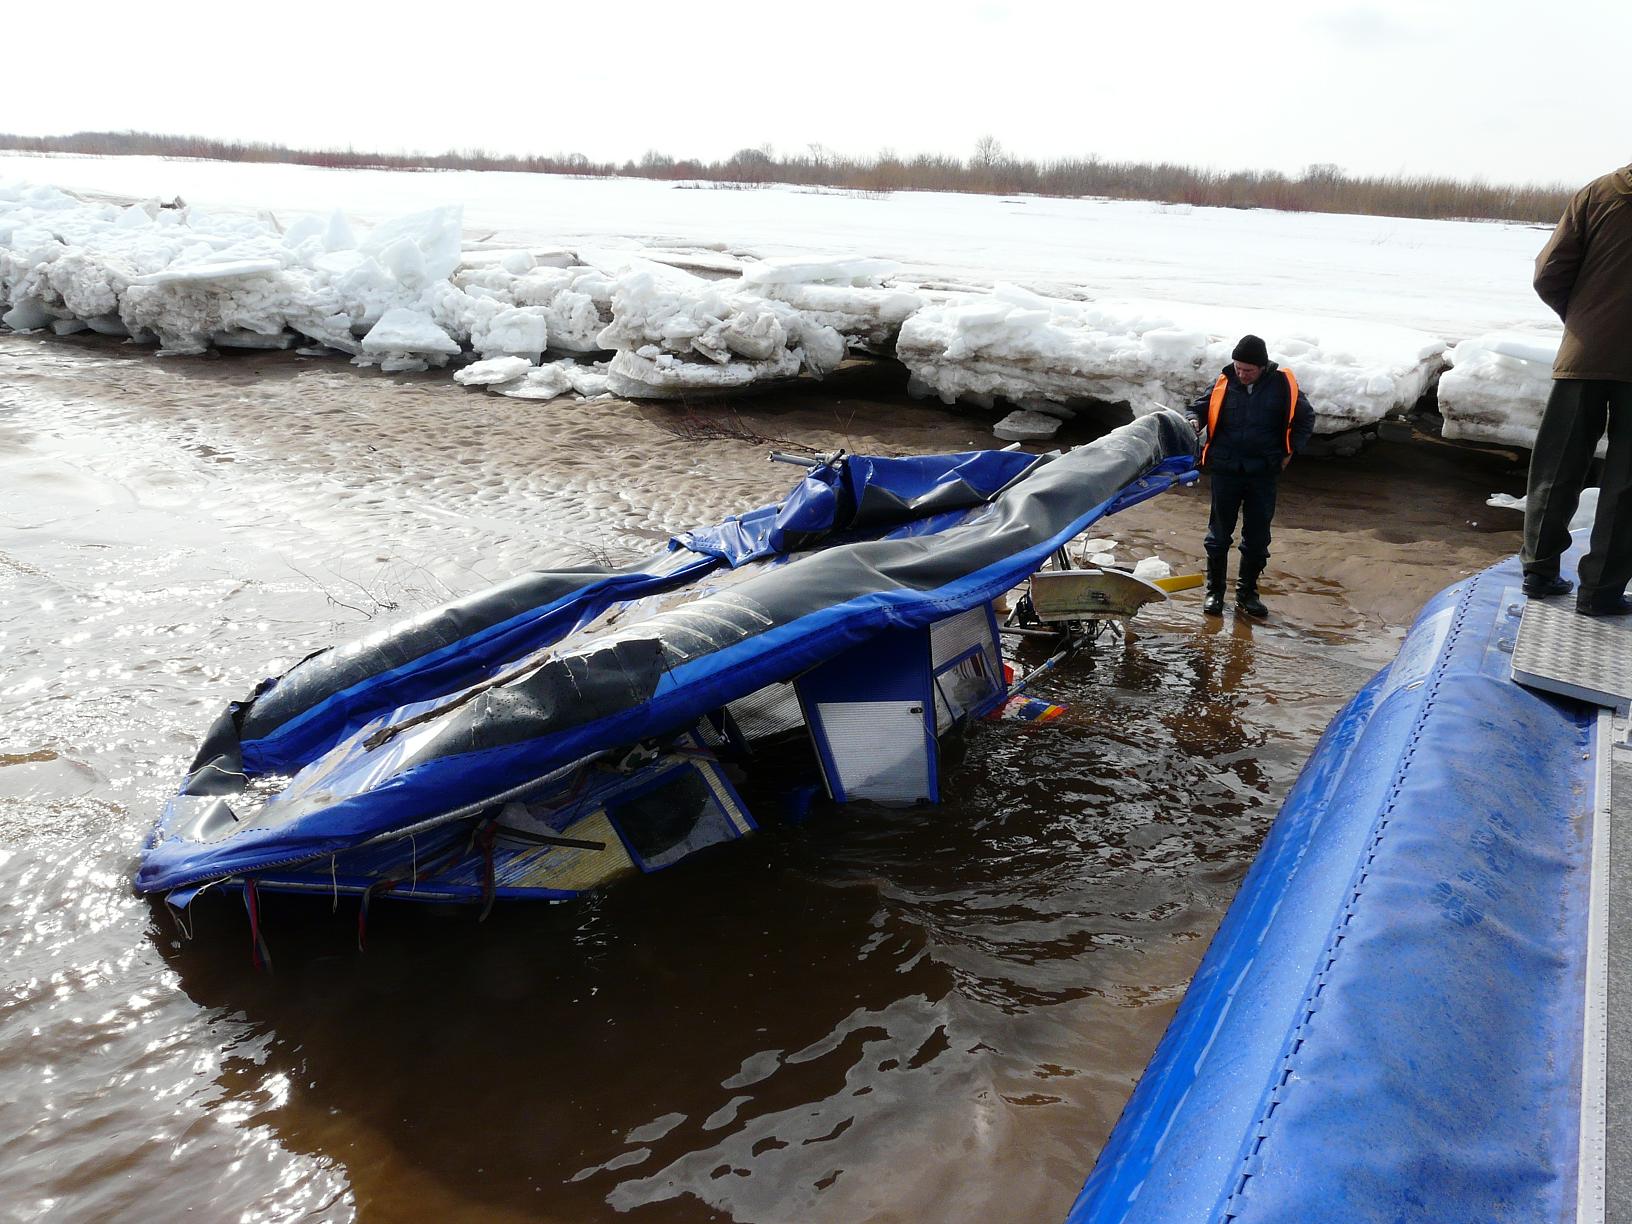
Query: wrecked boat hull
[[539, 705]]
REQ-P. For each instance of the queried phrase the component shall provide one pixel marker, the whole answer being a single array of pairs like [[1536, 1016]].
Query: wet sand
[[880, 1014]]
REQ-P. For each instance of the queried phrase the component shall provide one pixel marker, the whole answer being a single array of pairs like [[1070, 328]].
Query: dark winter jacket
[[1251, 435], [1585, 274]]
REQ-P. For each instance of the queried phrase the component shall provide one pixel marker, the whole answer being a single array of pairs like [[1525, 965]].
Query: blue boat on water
[[555, 732], [1404, 1016]]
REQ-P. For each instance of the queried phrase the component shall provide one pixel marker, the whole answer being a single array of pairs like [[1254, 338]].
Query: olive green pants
[[1577, 412]]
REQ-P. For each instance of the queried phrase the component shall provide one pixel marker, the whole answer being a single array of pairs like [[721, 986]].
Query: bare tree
[[750, 166]]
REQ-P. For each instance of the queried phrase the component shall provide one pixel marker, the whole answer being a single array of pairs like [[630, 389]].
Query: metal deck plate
[[1588, 658]]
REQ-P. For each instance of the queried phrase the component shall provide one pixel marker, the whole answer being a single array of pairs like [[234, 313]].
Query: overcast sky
[[1499, 90]]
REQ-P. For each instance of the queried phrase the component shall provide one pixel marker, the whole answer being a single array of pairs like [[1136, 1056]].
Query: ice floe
[[405, 338], [556, 378], [407, 296], [675, 332], [1023, 425], [541, 321], [493, 372], [1497, 387], [1054, 356]]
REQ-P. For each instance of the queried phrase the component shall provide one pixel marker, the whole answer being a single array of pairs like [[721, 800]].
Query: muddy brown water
[[880, 1014]]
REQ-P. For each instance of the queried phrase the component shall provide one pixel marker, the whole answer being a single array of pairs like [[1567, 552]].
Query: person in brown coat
[[1585, 274]]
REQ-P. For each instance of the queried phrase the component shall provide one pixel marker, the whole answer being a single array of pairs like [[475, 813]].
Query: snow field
[[654, 321]]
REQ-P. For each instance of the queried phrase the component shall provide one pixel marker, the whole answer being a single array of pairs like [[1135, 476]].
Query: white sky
[[1504, 91]]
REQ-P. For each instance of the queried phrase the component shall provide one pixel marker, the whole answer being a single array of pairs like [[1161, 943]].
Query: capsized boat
[[545, 736]]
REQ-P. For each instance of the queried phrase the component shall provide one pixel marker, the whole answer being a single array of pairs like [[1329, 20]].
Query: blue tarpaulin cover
[[1387, 1025], [860, 492]]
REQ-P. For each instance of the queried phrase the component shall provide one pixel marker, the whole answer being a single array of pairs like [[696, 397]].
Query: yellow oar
[[1180, 582]]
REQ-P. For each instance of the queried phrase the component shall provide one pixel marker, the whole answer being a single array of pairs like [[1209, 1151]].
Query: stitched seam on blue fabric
[[1250, 1157]]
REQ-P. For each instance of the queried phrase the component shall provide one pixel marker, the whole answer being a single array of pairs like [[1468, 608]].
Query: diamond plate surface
[[1583, 657]]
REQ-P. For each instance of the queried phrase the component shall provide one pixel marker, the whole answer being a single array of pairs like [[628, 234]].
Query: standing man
[[1585, 274], [1255, 420]]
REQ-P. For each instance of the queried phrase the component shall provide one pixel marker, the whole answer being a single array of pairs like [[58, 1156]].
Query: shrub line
[[1323, 188]]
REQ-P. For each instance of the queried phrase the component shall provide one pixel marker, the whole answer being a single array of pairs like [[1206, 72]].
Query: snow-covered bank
[[1046, 355], [405, 297], [1451, 279], [1121, 302], [1497, 387]]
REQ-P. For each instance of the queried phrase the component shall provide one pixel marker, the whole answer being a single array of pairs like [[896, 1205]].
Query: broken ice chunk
[[544, 383], [204, 272], [403, 364], [1025, 426], [519, 331], [401, 330], [493, 371], [653, 375], [27, 314], [434, 235]]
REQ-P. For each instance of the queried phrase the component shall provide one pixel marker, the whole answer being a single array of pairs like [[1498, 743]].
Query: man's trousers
[[1577, 411], [1252, 499]]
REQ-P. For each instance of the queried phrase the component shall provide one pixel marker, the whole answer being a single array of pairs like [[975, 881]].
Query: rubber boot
[[1217, 575], [1246, 590]]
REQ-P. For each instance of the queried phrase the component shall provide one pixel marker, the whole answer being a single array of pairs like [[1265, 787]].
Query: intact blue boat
[[541, 738], [1401, 1017]]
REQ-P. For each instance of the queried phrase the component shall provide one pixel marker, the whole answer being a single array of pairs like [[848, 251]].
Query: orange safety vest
[[1216, 402]]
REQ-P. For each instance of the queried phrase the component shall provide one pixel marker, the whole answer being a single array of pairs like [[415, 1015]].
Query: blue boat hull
[[1388, 1024]]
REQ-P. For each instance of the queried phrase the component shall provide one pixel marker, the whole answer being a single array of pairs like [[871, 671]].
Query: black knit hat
[[1251, 350]]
